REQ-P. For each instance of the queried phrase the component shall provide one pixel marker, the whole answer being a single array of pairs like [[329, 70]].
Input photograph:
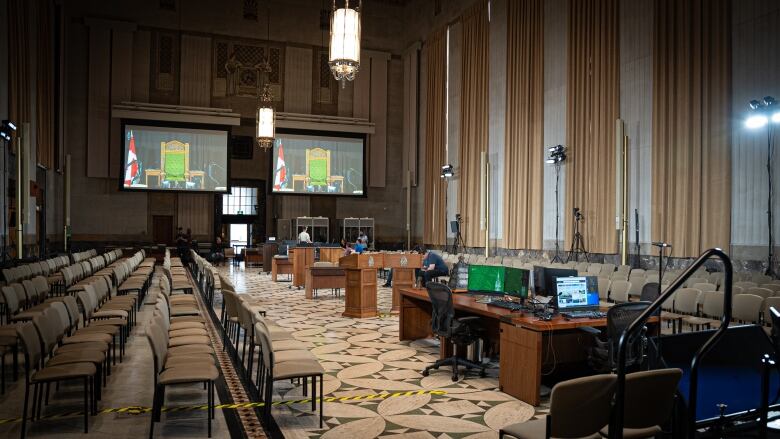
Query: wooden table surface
[[525, 319]]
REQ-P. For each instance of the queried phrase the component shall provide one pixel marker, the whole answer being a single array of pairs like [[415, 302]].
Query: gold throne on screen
[[318, 177], [175, 166]]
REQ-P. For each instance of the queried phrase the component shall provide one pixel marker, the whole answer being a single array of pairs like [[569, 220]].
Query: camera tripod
[[578, 242], [458, 241]]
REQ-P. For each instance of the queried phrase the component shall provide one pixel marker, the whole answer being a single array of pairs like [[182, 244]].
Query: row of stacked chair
[[41, 268], [266, 352], [76, 336], [206, 276], [177, 334], [82, 256], [70, 276]]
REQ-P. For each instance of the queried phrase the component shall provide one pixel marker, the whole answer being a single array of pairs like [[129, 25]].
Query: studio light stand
[[762, 113], [447, 172], [456, 226], [557, 156], [638, 257], [577, 242]]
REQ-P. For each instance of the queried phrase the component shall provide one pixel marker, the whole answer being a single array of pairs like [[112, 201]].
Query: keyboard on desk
[[584, 315], [514, 306]]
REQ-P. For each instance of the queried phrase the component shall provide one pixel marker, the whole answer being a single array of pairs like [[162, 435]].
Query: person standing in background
[[362, 238], [304, 237], [181, 243]]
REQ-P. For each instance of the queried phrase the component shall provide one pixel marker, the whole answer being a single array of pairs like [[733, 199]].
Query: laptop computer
[[577, 294]]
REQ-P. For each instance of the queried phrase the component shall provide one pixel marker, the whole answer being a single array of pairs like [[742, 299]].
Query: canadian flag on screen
[[280, 179], [131, 165]]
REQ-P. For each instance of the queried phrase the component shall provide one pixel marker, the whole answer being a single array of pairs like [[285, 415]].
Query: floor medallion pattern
[[365, 357]]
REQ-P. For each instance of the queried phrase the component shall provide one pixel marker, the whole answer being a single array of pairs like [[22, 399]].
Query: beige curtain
[[592, 108], [45, 86], [18, 60], [524, 151], [435, 53], [691, 125], [475, 60]]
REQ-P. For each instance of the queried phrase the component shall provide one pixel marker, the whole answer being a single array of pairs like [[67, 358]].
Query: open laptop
[[577, 296]]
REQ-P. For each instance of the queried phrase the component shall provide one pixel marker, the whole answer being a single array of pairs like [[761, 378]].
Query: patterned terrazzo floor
[[364, 356]]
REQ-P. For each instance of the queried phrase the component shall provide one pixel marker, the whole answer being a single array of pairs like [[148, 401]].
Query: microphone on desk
[[661, 244]]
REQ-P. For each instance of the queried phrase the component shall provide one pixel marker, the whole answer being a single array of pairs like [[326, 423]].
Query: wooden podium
[[331, 254], [403, 266], [302, 258], [270, 249], [360, 299]]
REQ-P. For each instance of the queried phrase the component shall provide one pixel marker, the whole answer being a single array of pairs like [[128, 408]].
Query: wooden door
[[162, 229]]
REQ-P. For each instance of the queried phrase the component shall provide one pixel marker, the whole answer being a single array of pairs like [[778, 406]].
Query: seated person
[[348, 250], [360, 245], [218, 251], [433, 266]]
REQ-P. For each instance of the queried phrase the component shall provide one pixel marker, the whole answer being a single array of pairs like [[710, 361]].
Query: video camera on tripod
[[578, 216]]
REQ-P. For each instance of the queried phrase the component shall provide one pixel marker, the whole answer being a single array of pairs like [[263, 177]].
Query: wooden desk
[[199, 174], [252, 256], [324, 277], [403, 266], [334, 178], [360, 298], [299, 178], [154, 173], [331, 254], [523, 339], [281, 266], [302, 258]]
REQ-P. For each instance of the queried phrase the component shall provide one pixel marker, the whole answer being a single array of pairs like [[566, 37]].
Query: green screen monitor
[[498, 279]]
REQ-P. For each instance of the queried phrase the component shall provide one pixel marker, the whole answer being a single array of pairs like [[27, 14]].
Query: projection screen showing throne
[[171, 158], [317, 164]]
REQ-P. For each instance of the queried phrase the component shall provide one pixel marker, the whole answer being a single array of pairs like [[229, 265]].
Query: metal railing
[[616, 425]]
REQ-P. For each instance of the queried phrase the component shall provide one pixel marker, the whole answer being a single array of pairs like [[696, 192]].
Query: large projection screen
[[318, 163], [160, 157]]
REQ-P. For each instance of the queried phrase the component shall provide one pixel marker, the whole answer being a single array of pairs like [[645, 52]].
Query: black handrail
[[616, 425]]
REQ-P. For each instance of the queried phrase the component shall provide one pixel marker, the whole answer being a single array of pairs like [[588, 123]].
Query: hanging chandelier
[[344, 59], [266, 118], [266, 129]]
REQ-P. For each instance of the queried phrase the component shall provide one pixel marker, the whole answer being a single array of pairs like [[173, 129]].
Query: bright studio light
[[757, 121], [762, 112]]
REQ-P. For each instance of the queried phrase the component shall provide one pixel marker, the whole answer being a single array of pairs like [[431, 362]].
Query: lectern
[[302, 258], [403, 266], [360, 300]]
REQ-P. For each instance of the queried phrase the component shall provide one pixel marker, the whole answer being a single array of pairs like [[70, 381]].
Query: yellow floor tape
[[139, 410]]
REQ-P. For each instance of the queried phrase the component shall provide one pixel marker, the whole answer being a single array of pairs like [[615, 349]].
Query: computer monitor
[[498, 279], [516, 282], [544, 279], [574, 294]]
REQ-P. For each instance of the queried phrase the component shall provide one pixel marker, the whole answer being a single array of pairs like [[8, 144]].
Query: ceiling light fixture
[[266, 117], [344, 55]]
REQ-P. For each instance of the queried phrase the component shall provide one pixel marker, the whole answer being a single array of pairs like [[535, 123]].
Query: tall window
[[240, 201]]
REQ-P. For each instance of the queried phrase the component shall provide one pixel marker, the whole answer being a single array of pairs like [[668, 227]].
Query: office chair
[[458, 331], [603, 355]]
